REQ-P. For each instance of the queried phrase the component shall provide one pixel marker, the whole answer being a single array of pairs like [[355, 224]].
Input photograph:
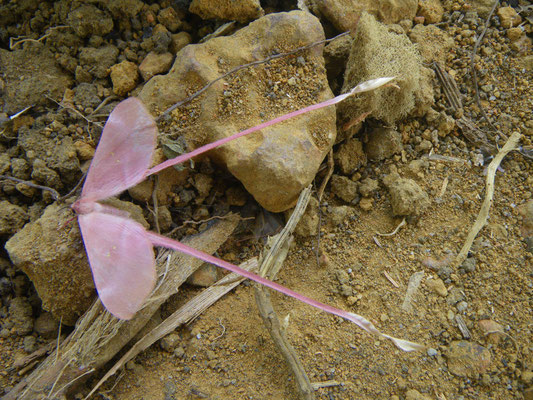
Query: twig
[[53, 192], [254, 63], [13, 43], [331, 166], [270, 266], [485, 207], [473, 66], [394, 231], [390, 279], [61, 104]]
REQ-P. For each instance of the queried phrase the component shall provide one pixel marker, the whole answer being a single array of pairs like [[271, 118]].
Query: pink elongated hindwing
[[122, 261], [121, 257]]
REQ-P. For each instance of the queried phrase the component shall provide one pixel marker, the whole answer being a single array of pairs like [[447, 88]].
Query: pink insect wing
[[124, 153], [122, 261]]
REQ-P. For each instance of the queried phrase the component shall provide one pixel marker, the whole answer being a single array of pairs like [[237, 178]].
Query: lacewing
[[120, 250]]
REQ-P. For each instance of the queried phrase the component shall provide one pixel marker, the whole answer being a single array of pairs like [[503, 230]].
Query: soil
[[227, 352]]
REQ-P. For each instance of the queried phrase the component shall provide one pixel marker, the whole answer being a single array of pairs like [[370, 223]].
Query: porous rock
[[275, 164], [242, 11], [99, 60], [407, 197], [344, 14], [378, 52]]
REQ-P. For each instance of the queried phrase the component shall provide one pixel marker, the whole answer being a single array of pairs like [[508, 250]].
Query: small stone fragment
[[407, 197], [170, 342], [366, 203], [242, 11], [204, 276], [492, 330], [98, 60], [12, 218], [383, 143], [339, 214], [87, 20], [413, 394], [46, 326], [178, 41], [437, 286], [350, 156], [508, 17], [169, 19], [467, 359], [367, 187], [21, 316], [155, 64], [124, 76], [431, 10], [344, 188], [308, 224]]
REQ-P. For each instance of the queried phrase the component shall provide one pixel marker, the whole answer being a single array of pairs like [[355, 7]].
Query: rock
[[44, 175], [413, 394], [455, 295], [482, 7], [526, 211], [242, 11], [407, 197], [124, 76], [431, 10], [376, 51], [30, 344], [98, 60], [345, 14], [467, 359], [29, 75], [85, 95], [437, 286], [491, 330], [204, 276], [366, 203], [170, 342], [508, 17], [336, 55], [308, 224], [469, 265], [383, 143], [21, 316], [344, 188], [169, 18], [178, 41], [350, 156], [124, 8], [368, 186], [515, 34], [54, 259], [275, 164], [58, 153], [155, 64], [236, 196], [527, 377], [434, 44], [88, 20], [339, 214], [12, 218], [46, 326]]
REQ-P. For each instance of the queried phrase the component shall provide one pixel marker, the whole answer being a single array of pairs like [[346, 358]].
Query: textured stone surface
[[242, 10], [276, 163]]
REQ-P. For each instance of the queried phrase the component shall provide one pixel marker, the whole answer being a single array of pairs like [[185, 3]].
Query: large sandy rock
[[277, 163], [344, 14]]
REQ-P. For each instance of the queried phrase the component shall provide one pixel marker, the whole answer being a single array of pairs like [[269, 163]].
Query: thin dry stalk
[[272, 261], [485, 207]]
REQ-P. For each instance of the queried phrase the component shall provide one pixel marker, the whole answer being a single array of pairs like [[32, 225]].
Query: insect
[[120, 250]]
